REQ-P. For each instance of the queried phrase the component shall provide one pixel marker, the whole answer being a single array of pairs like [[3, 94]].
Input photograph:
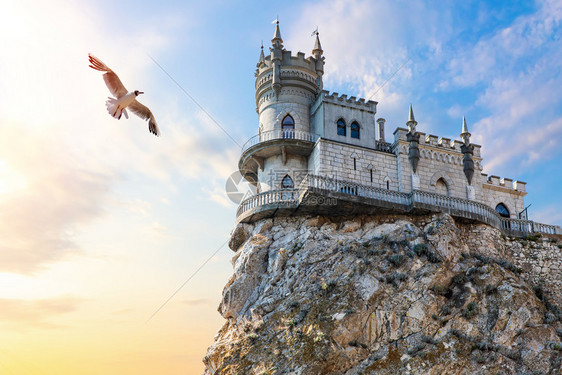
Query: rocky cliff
[[388, 295]]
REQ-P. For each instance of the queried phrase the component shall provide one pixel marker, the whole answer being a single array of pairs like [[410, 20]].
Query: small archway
[[502, 210], [287, 182], [441, 187]]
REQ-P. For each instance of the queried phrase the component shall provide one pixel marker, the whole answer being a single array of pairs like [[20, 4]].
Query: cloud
[[199, 302], [509, 48], [55, 199], [64, 162], [35, 313], [390, 52], [522, 89]]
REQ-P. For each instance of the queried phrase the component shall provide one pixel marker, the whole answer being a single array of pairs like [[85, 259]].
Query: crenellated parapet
[[503, 183], [288, 59], [435, 145], [350, 102]]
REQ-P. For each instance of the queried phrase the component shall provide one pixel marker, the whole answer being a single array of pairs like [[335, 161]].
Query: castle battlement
[[288, 60], [434, 141], [352, 101], [504, 183]]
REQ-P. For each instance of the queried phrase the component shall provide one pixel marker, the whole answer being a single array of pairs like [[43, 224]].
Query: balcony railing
[[279, 134], [346, 187], [286, 197], [403, 201], [456, 206]]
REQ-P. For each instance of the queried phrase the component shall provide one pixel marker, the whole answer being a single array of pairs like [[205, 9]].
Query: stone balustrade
[[286, 197], [404, 202], [272, 135]]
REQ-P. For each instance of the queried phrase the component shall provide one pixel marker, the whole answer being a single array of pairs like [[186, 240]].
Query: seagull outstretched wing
[[111, 79], [143, 112]]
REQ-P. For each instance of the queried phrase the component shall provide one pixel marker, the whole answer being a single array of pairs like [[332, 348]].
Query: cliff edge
[[388, 295]]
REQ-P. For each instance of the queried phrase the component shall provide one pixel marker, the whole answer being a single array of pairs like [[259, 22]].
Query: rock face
[[382, 295]]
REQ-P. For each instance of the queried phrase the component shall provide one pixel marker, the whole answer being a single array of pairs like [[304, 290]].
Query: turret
[[468, 162], [286, 87], [276, 57], [465, 135], [317, 52], [381, 122], [413, 152], [262, 57], [411, 123]]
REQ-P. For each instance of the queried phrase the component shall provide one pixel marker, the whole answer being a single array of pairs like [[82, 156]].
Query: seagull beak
[[140, 92]]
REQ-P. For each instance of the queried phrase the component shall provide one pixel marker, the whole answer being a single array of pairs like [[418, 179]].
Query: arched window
[[287, 182], [355, 131], [341, 127], [387, 182], [502, 210], [441, 187], [288, 126]]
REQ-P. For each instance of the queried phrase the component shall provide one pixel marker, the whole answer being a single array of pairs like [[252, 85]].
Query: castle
[[323, 153]]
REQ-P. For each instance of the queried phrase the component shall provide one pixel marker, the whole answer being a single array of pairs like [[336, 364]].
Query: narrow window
[[341, 127], [288, 127], [287, 182], [502, 210], [387, 185], [355, 131], [441, 187], [371, 173], [354, 164]]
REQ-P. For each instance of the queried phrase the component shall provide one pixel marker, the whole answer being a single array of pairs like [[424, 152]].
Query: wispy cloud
[[17, 313], [62, 157], [365, 42], [199, 302], [56, 199]]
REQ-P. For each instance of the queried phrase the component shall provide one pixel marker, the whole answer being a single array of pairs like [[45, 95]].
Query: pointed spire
[[277, 34], [262, 56], [464, 127], [411, 121], [465, 135], [317, 46], [411, 115]]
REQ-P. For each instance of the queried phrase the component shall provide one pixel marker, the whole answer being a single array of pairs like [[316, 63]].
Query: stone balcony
[[319, 195], [270, 143]]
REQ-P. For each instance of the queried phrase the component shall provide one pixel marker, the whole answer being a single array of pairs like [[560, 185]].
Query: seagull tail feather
[[113, 108]]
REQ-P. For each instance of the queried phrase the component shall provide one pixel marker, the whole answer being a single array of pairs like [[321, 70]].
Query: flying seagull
[[125, 99]]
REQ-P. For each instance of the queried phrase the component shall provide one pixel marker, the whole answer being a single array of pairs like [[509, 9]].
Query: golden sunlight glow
[[10, 179]]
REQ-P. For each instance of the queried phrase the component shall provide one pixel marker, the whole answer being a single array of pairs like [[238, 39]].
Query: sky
[[101, 222]]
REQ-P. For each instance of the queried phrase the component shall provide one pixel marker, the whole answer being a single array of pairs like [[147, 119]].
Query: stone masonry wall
[[539, 258], [333, 159]]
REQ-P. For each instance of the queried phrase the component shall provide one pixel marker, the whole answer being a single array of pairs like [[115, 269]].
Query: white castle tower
[[286, 86]]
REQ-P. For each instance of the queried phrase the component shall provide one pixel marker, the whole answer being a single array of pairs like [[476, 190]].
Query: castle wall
[[329, 108], [512, 199], [333, 159], [274, 170], [291, 101], [439, 159]]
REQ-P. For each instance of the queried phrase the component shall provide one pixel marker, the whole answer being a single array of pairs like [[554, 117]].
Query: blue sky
[[102, 221]]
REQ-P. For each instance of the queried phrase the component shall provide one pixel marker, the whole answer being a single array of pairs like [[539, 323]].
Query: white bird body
[[124, 99]]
